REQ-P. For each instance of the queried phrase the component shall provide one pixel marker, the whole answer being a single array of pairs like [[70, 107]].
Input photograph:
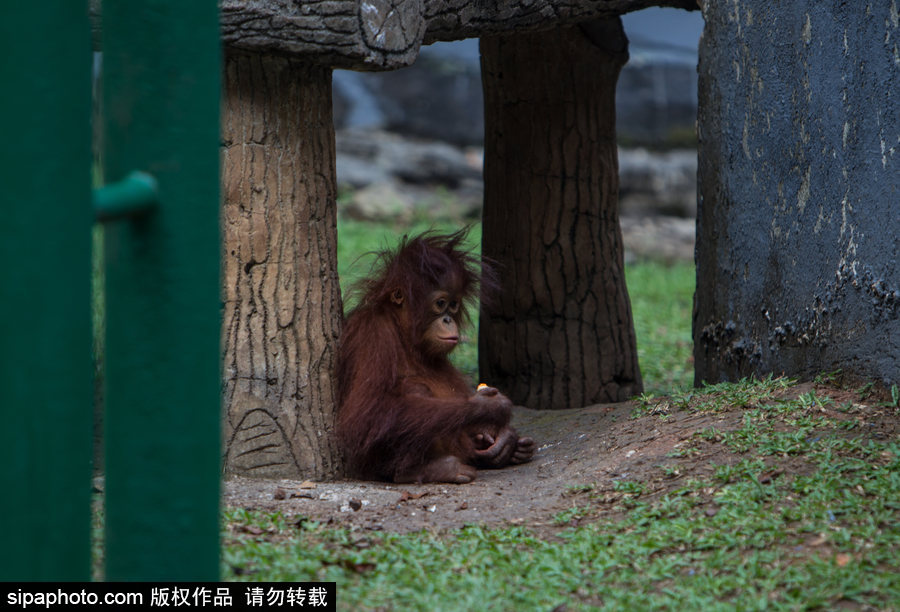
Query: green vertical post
[[161, 81], [45, 322]]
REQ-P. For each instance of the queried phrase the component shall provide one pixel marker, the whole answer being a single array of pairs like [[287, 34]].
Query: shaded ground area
[[579, 450]]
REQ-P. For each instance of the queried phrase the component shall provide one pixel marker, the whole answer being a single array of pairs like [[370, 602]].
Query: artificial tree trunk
[[798, 258], [282, 305], [560, 335]]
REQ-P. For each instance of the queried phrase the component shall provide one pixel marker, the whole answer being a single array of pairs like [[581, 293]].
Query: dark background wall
[[799, 176]]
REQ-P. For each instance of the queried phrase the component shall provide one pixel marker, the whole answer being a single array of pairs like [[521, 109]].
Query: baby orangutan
[[406, 413]]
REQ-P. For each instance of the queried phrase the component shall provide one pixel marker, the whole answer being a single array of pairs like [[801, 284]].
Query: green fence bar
[[45, 335], [161, 80]]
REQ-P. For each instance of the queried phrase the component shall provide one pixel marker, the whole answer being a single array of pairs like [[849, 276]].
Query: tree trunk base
[[282, 306], [561, 334]]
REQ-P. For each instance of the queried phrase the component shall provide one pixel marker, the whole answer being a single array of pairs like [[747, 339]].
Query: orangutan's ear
[[397, 297]]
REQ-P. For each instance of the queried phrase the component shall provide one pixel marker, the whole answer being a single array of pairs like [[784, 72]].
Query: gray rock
[[357, 172], [413, 161], [442, 179], [439, 97], [384, 201], [658, 238], [658, 183], [656, 102]]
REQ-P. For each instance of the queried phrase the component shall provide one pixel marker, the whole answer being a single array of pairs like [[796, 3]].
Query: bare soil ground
[[593, 446]]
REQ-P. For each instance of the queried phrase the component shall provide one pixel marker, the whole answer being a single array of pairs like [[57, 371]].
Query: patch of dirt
[[593, 446]]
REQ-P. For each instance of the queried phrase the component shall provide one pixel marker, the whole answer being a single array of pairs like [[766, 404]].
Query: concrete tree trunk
[[798, 231], [561, 335], [282, 305]]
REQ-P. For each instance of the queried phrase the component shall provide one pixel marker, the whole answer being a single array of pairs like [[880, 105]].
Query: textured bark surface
[[798, 257], [282, 311], [386, 34], [561, 334]]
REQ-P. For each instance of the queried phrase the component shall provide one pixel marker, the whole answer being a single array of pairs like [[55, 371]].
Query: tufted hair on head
[[425, 263]]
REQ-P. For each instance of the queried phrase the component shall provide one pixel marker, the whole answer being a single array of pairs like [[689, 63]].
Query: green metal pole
[[45, 319], [161, 78]]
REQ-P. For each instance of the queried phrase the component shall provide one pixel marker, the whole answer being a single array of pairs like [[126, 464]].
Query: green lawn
[[662, 298]]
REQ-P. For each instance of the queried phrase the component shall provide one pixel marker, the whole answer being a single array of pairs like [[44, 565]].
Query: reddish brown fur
[[402, 405]]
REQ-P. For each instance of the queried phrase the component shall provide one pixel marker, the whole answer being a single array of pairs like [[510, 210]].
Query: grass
[[662, 298], [820, 535]]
